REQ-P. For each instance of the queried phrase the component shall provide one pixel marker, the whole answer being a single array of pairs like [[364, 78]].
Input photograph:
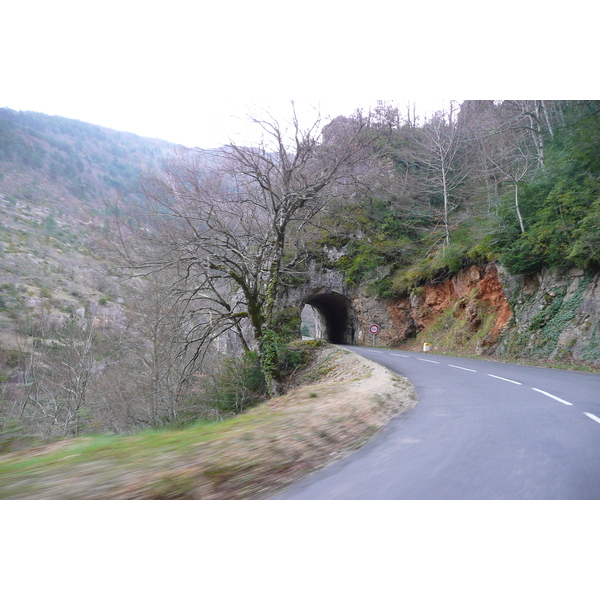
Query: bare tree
[[152, 348], [508, 137], [220, 223], [72, 371], [509, 161], [441, 148], [50, 395], [538, 119]]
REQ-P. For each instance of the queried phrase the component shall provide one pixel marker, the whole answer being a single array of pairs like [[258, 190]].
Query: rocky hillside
[[471, 305], [555, 316], [496, 249], [485, 310], [57, 177]]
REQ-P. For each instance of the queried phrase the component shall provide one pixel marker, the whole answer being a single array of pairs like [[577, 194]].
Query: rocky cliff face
[[470, 302], [485, 310], [554, 315]]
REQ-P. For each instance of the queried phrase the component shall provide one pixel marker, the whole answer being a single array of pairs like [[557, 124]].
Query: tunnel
[[334, 317]]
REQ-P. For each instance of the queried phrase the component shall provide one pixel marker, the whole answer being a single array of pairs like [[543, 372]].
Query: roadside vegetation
[[341, 401], [512, 181]]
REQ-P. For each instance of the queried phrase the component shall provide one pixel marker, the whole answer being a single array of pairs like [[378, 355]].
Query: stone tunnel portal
[[334, 316]]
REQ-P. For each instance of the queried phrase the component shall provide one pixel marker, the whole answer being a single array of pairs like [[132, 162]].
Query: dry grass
[[251, 456]]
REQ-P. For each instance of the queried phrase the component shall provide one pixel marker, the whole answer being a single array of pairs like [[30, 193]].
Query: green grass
[[22, 472]]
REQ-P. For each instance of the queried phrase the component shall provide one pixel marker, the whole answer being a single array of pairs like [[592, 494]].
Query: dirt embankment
[[472, 295], [343, 400], [476, 283]]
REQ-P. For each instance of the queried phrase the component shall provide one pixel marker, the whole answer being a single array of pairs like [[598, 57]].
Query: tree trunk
[[268, 353], [517, 208], [446, 202]]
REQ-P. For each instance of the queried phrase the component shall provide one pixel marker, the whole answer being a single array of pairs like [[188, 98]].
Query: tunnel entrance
[[334, 319]]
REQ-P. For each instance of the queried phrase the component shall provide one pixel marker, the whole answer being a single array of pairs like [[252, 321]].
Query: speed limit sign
[[374, 329]]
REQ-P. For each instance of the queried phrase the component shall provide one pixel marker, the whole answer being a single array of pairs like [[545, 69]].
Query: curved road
[[480, 430]]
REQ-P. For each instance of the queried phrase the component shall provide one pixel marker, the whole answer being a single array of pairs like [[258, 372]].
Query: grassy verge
[[343, 400]]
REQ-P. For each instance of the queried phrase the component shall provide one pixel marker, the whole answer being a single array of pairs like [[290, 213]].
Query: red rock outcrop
[[467, 290]]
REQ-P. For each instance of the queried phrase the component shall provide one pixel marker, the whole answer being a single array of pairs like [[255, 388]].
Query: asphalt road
[[480, 430]]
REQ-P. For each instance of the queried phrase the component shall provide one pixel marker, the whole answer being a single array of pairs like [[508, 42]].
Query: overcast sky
[[188, 72]]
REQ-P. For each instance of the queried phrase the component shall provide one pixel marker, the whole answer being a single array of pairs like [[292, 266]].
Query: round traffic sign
[[374, 329]]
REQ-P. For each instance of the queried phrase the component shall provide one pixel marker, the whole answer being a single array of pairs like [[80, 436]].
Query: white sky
[[186, 72]]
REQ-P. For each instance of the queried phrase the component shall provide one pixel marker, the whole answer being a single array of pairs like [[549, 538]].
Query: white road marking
[[593, 417], [401, 355], [503, 379], [375, 351], [431, 361], [463, 368], [553, 397]]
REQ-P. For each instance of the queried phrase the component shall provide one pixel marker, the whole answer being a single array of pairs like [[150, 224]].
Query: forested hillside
[[57, 177], [514, 181], [116, 292]]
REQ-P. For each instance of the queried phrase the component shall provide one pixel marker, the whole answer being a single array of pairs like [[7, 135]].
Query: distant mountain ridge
[[86, 160]]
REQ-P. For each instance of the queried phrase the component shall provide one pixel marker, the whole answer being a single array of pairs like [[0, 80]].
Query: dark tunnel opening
[[333, 316]]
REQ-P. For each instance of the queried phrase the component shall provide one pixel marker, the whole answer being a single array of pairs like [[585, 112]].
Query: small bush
[[287, 324], [292, 357], [235, 384]]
